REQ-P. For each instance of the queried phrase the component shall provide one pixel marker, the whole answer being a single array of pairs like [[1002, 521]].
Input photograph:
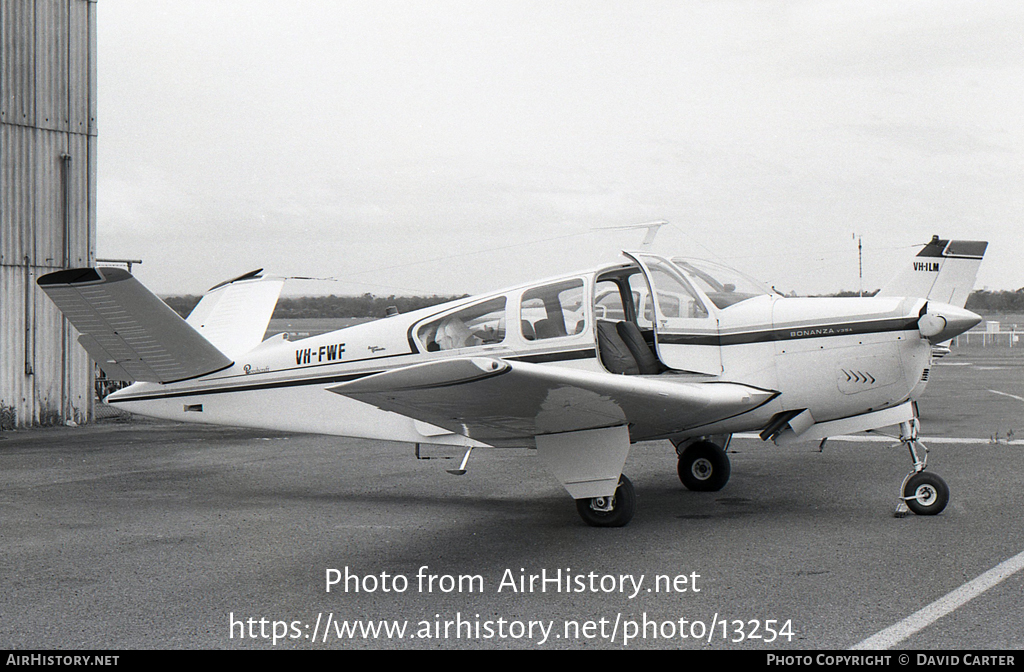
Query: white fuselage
[[835, 357]]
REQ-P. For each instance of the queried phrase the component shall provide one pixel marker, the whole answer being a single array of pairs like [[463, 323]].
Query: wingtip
[[82, 276], [251, 275]]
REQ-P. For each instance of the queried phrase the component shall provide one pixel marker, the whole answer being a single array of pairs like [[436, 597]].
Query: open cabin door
[[685, 329]]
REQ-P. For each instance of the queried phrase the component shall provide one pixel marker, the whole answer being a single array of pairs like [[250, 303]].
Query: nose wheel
[[922, 492]]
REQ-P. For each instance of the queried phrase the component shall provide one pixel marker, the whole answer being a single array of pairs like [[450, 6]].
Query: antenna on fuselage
[[860, 263], [652, 231]]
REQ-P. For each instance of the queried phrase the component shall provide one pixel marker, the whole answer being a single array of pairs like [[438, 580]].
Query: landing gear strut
[[614, 511], [922, 492]]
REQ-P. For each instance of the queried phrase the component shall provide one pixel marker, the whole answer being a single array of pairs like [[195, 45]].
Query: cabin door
[[685, 326]]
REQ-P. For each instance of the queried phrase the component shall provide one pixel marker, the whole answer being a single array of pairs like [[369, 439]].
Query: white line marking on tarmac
[[921, 619], [868, 438], [1007, 394]]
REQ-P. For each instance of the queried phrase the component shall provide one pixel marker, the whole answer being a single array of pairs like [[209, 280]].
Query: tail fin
[[127, 329], [234, 315], [944, 271]]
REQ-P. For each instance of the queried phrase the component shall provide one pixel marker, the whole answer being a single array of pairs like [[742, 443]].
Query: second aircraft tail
[[944, 271]]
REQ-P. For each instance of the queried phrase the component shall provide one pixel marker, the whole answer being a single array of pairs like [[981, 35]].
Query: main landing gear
[[703, 465], [614, 511], [922, 492]]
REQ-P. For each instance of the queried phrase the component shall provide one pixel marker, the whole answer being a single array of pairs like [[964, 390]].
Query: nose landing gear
[[922, 492]]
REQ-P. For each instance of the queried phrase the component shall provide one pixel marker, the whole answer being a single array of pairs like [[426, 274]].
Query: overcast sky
[[461, 146]]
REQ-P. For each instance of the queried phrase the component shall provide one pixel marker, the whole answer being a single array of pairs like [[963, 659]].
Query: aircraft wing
[[493, 399]]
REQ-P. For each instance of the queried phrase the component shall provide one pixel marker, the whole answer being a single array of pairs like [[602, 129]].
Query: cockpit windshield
[[723, 285]]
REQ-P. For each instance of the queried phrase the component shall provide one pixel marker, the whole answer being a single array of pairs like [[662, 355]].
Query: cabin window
[[675, 299], [725, 286], [481, 324], [553, 311]]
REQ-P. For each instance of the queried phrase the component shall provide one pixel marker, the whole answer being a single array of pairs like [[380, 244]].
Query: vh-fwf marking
[[578, 367], [325, 353]]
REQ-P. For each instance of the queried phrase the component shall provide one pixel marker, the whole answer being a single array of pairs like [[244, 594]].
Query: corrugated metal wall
[[47, 202]]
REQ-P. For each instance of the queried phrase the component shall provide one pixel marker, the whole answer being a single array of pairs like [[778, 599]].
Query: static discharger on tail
[[578, 367]]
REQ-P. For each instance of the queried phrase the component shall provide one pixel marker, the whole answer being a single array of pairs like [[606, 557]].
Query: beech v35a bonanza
[[578, 367]]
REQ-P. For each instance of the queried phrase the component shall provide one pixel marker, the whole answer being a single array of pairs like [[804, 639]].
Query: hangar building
[[47, 203]]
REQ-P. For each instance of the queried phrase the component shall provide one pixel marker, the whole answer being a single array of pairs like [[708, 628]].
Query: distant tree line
[[847, 293], [1003, 301], [980, 301], [182, 305], [366, 305]]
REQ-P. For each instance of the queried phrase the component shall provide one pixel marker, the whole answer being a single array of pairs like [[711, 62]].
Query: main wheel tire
[[623, 506], [926, 493], [704, 467]]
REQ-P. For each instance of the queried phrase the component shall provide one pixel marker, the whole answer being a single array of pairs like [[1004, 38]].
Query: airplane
[[578, 367]]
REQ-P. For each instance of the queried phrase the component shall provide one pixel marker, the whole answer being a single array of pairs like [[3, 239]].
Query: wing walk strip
[[921, 619]]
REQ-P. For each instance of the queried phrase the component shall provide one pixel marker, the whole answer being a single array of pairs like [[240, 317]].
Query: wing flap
[[492, 399], [127, 329]]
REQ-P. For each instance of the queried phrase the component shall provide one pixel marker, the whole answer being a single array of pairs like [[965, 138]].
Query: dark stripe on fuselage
[[770, 335], [326, 380], [792, 333], [548, 357]]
